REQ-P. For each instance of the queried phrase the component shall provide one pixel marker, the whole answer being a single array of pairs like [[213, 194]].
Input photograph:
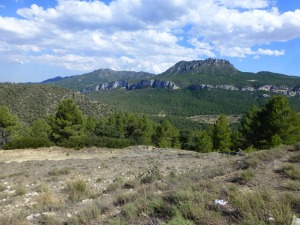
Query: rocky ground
[[25, 173], [90, 186]]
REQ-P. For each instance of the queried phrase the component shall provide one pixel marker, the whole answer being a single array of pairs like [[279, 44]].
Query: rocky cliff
[[139, 85], [207, 66]]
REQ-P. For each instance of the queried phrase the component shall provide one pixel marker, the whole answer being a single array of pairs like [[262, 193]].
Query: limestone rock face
[[207, 66], [154, 84], [112, 85]]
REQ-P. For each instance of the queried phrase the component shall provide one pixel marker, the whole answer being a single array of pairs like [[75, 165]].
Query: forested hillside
[[272, 124], [31, 101]]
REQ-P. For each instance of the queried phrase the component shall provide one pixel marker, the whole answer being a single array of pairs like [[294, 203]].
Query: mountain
[[31, 101], [207, 66], [222, 72], [55, 79], [185, 90], [92, 79], [196, 74]]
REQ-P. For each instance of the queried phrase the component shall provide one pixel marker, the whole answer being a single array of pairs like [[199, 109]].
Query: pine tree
[[204, 143], [277, 123], [8, 122], [40, 129], [68, 124], [222, 134]]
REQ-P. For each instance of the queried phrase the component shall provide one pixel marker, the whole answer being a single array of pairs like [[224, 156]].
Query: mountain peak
[[207, 66]]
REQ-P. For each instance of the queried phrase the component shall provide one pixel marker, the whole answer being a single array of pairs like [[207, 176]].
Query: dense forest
[[265, 126]]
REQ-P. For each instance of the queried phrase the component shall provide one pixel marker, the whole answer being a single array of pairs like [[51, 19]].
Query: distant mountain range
[[187, 89], [197, 74]]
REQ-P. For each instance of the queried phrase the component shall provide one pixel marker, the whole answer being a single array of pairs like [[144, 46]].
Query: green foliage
[[257, 207], [32, 101], [40, 129], [275, 123], [290, 170], [86, 216], [204, 143], [28, 142], [68, 125], [166, 135], [222, 134], [78, 190], [8, 123]]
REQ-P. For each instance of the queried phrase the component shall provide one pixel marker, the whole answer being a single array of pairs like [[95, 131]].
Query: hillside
[[187, 89], [222, 72], [179, 105], [89, 80], [31, 101]]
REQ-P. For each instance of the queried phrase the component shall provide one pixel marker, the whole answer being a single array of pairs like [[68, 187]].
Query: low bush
[[49, 220], [295, 158], [20, 190], [290, 171], [130, 211], [57, 172], [293, 185], [178, 220], [246, 176], [78, 190], [261, 206], [28, 142], [86, 216]]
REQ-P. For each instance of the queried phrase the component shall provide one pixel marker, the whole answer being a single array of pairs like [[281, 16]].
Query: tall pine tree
[[222, 134]]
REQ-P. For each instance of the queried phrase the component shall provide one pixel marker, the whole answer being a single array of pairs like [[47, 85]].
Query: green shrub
[[295, 158], [62, 171], [246, 176], [49, 220], [13, 220], [125, 198], [86, 216], [2, 187], [293, 185], [130, 211], [290, 171], [116, 221], [28, 142], [178, 220], [20, 190], [78, 190], [260, 207], [117, 183]]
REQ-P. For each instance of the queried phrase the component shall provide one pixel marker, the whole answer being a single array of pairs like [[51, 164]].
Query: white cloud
[[144, 35], [246, 4]]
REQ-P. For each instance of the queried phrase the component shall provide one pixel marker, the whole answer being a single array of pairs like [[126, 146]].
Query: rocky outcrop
[[140, 85], [153, 84], [112, 85], [284, 90], [207, 66]]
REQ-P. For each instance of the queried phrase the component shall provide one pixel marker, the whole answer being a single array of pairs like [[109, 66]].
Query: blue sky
[[42, 39]]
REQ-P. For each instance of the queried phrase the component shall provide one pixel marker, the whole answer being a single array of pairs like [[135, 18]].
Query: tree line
[[261, 127]]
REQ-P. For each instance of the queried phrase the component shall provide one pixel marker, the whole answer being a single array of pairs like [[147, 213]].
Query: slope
[[89, 80], [31, 101]]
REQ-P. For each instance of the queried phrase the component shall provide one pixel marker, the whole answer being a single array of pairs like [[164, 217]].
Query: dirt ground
[[29, 169]]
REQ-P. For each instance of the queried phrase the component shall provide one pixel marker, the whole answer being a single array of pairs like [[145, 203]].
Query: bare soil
[[31, 168]]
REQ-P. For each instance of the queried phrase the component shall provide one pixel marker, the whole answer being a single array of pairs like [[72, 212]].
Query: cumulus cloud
[[147, 35]]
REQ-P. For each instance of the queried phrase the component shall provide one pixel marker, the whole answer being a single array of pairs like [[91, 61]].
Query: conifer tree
[[8, 122], [204, 143], [68, 123], [277, 123], [222, 134]]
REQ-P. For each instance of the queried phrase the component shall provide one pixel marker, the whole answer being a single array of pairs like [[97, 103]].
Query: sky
[[43, 39]]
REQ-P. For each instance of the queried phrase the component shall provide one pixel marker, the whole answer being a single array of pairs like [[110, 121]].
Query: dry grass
[[157, 186]]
